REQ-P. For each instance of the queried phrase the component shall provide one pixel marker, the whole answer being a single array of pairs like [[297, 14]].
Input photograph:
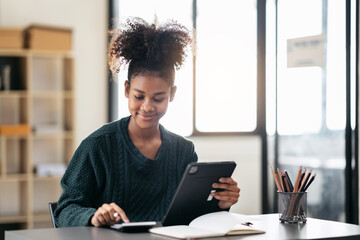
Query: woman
[[129, 169]]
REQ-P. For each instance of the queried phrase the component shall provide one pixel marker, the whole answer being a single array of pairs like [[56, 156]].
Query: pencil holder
[[292, 207]]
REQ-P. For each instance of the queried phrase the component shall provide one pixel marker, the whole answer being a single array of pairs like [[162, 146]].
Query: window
[[226, 66], [226, 79], [181, 109], [310, 99]]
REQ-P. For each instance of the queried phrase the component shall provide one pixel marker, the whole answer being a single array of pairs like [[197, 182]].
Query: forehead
[[167, 74], [149, 83]]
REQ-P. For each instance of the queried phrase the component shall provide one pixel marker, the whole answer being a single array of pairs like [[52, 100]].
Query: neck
[[142, 133]]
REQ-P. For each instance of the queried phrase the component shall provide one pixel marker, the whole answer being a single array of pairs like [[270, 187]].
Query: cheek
[[132, 104], [163, 107]]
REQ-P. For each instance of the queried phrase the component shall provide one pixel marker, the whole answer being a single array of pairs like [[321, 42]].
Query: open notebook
[[212, 225]]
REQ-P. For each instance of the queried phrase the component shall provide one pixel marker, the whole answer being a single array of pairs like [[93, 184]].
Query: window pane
[[270, 69], [178, 119], [311, 103], [299, 89], [226, 65], [299, 100], [336, 64]]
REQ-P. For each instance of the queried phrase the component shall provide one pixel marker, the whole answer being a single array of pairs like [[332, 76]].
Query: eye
[[158, 100], [139, 97]]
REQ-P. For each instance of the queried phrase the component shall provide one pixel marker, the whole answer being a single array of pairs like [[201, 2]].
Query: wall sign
[[305, 51]]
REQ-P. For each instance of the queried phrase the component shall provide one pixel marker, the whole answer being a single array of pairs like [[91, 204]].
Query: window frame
[[260, 92]]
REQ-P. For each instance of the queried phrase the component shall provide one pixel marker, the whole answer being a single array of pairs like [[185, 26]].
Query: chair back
[[52, 207]]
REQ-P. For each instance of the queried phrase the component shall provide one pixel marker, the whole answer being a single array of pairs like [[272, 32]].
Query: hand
[[105, 215], [230, 195]]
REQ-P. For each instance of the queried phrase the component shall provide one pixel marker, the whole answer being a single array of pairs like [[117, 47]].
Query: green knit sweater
[[107, 167]]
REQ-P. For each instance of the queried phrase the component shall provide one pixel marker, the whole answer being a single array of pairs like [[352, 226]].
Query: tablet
[[192, 197]]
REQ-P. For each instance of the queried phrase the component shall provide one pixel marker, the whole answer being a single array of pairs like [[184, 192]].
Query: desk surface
[[313, 229]]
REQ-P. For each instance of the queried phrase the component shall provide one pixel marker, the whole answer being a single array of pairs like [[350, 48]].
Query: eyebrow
[[158, 93]]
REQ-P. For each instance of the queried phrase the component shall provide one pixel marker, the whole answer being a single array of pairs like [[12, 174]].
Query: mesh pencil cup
[[292, 207]]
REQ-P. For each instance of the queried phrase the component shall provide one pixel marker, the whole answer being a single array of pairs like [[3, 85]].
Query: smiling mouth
[[146, 117]]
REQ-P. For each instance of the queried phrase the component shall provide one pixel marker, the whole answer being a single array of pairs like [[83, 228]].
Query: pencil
[[291, 187], [281, 180], [311, 180], [301, 178], [297, 180], [277, 182], [286, 184], [304, 182]]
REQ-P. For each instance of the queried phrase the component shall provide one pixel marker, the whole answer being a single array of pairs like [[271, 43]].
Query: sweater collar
[[141, 162]]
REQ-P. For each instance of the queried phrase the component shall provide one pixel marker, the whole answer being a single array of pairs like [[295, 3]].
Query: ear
[[172, 93], [127, 88]]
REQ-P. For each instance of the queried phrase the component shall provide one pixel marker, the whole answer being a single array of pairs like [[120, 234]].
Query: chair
[[52, 207]]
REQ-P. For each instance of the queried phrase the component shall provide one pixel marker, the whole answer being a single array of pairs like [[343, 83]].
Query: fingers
[[228, 180], [227, 196], [108, 214], [227, 193], [230, 195], [227, 184], [97, 220], [121, 213]]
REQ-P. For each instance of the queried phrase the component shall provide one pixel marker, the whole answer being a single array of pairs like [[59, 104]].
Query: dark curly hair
[[148, 48]]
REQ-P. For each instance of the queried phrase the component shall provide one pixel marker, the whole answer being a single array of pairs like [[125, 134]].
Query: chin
[[146, 124]]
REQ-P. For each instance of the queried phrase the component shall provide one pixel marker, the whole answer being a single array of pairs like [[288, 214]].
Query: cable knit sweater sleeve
[[80, 183]]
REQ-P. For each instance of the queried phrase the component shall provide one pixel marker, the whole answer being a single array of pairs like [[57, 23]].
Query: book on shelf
[[212, 225], [15, 129]]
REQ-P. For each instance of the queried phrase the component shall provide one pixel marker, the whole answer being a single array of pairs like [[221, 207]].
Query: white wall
[[246, 152], [88, 19]]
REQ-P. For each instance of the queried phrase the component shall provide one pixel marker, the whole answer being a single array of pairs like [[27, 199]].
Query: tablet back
[[191, 198]]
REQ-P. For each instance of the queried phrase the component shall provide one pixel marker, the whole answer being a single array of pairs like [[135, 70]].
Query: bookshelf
[[36, 129]]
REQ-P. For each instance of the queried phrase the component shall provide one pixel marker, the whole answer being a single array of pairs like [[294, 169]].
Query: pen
[[247, 223]]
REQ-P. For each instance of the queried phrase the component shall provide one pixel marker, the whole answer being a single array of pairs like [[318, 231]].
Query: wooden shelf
[[15, 136], [13, 94], [14, 219], [48, 53], [36, 53], [12, 52], [46, 98], [14, 177], [46, 94], [48, 178], [49, 135]]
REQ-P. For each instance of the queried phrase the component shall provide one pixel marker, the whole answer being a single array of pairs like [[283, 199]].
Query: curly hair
[[148, 48]]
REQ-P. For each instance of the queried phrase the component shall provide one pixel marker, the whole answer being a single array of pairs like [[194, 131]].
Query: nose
[[147, 106]]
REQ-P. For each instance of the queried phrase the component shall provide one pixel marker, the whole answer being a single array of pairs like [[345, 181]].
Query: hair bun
[[137, 40]]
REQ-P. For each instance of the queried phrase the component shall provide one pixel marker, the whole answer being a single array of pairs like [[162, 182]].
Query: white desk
[[313, 229]]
